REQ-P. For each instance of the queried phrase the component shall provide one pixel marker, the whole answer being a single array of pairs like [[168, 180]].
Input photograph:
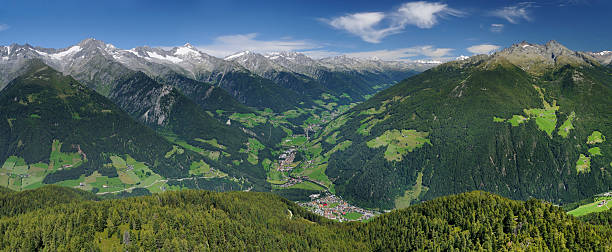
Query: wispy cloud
[[496, 27], [482, 49], [226, 45], [4, 27], [407, 54], [514, 14], [372, 27]]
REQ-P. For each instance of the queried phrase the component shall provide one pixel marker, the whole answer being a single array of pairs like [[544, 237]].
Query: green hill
[[201, 220], [54, 129], [489, 123], [16, 203]]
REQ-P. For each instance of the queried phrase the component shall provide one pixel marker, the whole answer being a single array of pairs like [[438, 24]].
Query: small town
[[335, 208]]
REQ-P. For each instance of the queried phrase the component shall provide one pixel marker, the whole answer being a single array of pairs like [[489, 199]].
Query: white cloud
[[514, 14], [225, 45], [406, 54], [4, 27], [482, 49], [496, 27], [372, 27], [423, 14]]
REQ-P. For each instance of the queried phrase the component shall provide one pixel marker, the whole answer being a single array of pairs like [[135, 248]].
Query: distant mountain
[[340, 76], [528, 121], [604, 57]]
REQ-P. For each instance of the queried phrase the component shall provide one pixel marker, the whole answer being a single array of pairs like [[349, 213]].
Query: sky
[[390, 30]]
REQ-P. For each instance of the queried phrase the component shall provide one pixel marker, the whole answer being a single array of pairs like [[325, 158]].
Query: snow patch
[[236, 55], [525, 46], [167, 57], [5, 58], [186, 50], [602, 53], [61, 55]]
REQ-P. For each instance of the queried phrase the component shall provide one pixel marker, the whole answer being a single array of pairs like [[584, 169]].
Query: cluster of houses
[[291, 182], [333, 207], [286, 159]]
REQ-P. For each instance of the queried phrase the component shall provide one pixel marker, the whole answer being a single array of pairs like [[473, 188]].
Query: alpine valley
[[98, 146]]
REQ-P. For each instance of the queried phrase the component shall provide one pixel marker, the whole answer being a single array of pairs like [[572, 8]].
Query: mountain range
[[527, 121]]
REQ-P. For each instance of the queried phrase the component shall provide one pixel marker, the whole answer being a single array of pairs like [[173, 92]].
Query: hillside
[[521, 123], [56, 130], [201, 220], [16, 203]]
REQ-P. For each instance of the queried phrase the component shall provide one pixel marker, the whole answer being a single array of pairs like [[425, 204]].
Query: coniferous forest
[[64, 219]]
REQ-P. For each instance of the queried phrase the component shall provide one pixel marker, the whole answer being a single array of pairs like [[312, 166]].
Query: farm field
[[601, 204]]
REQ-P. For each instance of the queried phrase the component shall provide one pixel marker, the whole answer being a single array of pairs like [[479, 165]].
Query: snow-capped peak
[[186, 50], [602, 53], [462, 57]]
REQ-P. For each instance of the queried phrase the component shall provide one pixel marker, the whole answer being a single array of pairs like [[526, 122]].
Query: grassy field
[[595, 151], [307, 185], [567, 126], [399, 143], [249, 120], [517, 120], [593, 207], [352, 215], [253, 148], [596, 137], [583, 164]]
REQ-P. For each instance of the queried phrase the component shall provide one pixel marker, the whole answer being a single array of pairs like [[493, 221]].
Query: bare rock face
[[535, 58]]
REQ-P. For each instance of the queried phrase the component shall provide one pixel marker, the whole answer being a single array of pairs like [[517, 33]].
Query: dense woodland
[[203, 220], [455, 103]]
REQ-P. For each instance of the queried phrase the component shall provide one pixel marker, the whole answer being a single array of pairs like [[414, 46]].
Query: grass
[[213, 142], [175, 150], [596, 137], [340, 147], [497, 119], [546, 118], [399, 143], [595, 151], [412, 194], [583, 164], [365, 128], [517, 120], [352, 215], [276, 177], [317, 173], [295, 140], [249, 120], [253, 148], [592, 207], [60, 159], [307, 185], [333, 138], [567, 126]]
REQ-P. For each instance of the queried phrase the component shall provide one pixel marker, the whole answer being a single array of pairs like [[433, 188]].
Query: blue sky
[[394, 30]]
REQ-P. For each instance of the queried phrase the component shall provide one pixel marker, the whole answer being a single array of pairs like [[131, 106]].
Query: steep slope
[[200, 220], [521, 123], [55, 129], [186, 124], [186, 60]]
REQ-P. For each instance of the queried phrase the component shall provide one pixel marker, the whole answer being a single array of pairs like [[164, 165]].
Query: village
[[335, 208]]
